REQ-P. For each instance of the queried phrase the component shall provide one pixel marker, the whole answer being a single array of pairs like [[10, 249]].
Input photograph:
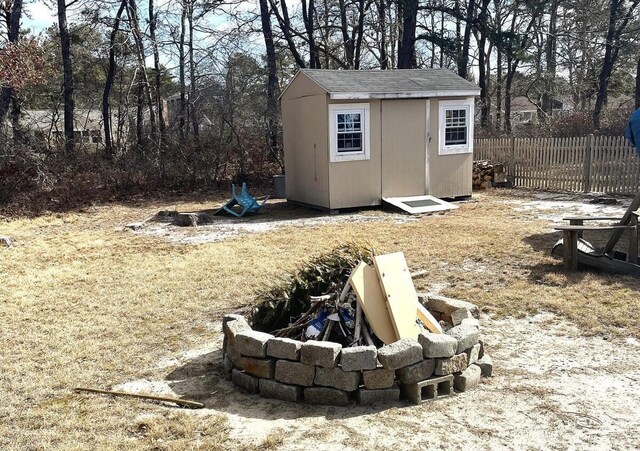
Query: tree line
[[188, 90]]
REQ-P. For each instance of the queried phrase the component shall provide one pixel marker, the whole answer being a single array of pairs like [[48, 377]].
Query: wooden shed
[[356, 138]]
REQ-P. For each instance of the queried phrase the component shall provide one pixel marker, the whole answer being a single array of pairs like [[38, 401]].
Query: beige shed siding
[[302, 86], [399, 163], [305, 136], [357, 183], [404, 134], [449, 175]]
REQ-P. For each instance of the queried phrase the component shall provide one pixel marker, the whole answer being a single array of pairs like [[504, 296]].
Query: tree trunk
[[607, 64], [153, 17], [272, 84], [638, 85], [13, 34], [407, 42], [482, 66], [548, 97], [618, 21], [507, 95], [195, 114], [498, 88], [498, 13], [140, 55], [18, 135], [514, 56], [67, 89], [358, 32], [347, 42], [308, 12], [382, 22], [182, 79], [108, 85], [140, 141], [285, 27], [463, 56]]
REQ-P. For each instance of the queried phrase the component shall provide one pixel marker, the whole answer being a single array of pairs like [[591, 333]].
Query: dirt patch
[[276, 214], [551, 387], [554, 206]]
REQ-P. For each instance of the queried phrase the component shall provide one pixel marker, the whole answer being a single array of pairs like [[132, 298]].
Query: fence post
[[586, 170], [512, 157]]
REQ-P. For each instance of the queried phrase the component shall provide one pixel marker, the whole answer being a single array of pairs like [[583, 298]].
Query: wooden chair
[[574, 249]]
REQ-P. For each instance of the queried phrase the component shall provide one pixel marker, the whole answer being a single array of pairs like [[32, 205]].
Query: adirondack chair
[[245, 201], [574, 249]]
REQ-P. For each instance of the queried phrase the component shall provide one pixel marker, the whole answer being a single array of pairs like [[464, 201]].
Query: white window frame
[[349, 108], [462, 104]]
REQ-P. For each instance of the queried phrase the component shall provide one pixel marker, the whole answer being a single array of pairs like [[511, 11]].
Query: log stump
[[190, 219]]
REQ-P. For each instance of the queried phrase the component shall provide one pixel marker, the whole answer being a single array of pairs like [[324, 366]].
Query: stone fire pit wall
[[322, 372]]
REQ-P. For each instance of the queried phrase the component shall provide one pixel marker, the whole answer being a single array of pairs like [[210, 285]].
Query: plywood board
[[420, 204], [365, 285], [428, 319], [399, 292]]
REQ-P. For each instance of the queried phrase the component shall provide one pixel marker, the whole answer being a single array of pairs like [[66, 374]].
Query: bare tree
[[407, 39], [111, 73], [12, 20], [68, 86], [483, 60], [637, 105], [153, 24], [144, 88], [272, 83], [619, 17], [548, 97]]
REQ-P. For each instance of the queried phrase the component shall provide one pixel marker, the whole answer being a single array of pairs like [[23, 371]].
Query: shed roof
[[399, 83]]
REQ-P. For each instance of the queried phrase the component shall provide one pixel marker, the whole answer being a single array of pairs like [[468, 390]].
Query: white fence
[[602, 163]]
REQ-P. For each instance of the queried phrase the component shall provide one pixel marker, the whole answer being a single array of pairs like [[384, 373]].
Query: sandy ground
[[552, 389], [225, 227], [542, 205], [554, 206]]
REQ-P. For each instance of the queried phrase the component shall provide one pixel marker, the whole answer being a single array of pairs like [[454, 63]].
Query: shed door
[[404, 147]]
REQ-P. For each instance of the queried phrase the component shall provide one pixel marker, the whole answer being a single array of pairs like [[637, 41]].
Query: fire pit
[[333, 365]]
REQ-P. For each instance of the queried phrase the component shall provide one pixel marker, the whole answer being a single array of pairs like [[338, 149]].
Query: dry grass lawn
[[84, 303]]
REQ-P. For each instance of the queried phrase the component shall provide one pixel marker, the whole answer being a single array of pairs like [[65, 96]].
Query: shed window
[[349, 132], [456, 126]]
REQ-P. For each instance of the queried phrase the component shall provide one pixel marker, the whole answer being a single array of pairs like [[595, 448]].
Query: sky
[[39, 17]]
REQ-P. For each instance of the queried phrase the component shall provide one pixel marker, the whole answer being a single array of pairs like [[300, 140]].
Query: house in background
[[525, 112], [48, 126], [356, 138]]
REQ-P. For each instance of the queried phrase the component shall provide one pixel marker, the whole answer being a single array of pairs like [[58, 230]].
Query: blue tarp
[[632, 132]]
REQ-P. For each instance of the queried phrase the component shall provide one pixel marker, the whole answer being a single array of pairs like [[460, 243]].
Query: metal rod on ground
[[367, 336], [180, 402]]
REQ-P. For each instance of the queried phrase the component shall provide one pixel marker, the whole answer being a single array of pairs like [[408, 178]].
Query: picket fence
[[592, 163]]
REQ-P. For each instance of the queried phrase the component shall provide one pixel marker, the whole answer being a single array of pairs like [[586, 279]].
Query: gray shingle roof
[[389, 81]]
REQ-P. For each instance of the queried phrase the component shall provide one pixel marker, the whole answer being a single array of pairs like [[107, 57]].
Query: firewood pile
[[487, 174]]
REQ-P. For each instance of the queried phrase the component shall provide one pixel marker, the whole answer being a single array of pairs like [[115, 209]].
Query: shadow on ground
[[544, 242], [202, 379]]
